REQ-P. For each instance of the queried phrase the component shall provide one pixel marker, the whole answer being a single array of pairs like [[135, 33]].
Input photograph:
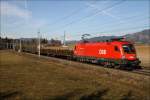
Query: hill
[[138, 37]]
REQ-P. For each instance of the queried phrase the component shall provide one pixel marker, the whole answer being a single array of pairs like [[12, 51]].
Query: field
[[143, 53], [25, 76]]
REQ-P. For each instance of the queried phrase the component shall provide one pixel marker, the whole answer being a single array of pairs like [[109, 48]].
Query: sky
[[53, 18]]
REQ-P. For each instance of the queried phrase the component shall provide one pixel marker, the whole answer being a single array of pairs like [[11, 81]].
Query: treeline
[[52, 42], [10, 43]]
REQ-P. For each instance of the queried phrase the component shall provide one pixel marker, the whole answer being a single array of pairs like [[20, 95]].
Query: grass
[[24, 76], [143, 53]]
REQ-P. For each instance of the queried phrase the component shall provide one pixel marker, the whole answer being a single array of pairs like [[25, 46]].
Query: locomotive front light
[[132, 57]]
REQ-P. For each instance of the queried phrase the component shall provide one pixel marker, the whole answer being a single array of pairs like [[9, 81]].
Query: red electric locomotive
[[109, 53]]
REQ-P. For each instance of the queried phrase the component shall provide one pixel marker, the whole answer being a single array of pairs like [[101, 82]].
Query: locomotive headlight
[[132, 57]]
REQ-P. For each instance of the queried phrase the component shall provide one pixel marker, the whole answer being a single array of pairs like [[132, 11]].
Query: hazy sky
[[23, 18]]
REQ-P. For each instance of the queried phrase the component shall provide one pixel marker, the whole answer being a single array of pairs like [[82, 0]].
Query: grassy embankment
[[143, 53], [25, 76]]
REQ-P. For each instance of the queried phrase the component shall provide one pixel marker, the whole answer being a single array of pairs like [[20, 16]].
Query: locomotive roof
[[103, 42]]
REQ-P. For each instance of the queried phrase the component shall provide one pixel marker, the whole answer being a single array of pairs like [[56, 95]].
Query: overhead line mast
[[39, 43], [20, 45], [64, 42]]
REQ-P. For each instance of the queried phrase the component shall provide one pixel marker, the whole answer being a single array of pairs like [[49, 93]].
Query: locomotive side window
[[128, 48], [116, 48], [75, 47]]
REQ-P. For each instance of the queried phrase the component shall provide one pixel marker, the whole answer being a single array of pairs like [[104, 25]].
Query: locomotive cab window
[[116, 48], [75, 47], [128, 48]]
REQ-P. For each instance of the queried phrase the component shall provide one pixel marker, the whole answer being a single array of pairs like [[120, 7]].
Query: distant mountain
[[138, 37]]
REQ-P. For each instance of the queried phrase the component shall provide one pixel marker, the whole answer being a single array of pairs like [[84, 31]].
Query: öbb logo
[[102, 52]]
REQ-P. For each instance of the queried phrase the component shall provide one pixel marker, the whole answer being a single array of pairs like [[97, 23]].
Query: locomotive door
[[82, 49], [117, 53]]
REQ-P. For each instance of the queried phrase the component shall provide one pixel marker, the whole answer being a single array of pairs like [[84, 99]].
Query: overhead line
[[66, 17], [111, 30], [111, 24], [111, 6], [116, 30], [118, 24], [123, 29], [124, 19]]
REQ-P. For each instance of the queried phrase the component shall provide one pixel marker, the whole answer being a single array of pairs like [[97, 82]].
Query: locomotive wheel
[[137, 67], [112, 65], [109, 64], [117, 66]]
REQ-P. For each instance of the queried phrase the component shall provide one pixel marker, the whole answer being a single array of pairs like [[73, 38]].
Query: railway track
[[142, 71], [145, 72]]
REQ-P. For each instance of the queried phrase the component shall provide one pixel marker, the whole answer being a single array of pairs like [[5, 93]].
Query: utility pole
[[20, 46], [7, 46], [64, 41], [39, 43], [13, 45]]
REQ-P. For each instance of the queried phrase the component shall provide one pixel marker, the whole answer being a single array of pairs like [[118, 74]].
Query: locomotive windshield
[[128, 48]]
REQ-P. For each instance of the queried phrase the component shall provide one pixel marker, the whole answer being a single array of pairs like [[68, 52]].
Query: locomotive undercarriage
[[111, 63]]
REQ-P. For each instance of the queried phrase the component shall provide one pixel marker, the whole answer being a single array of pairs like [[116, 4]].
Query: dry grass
[[25, 76], [143, 53]]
